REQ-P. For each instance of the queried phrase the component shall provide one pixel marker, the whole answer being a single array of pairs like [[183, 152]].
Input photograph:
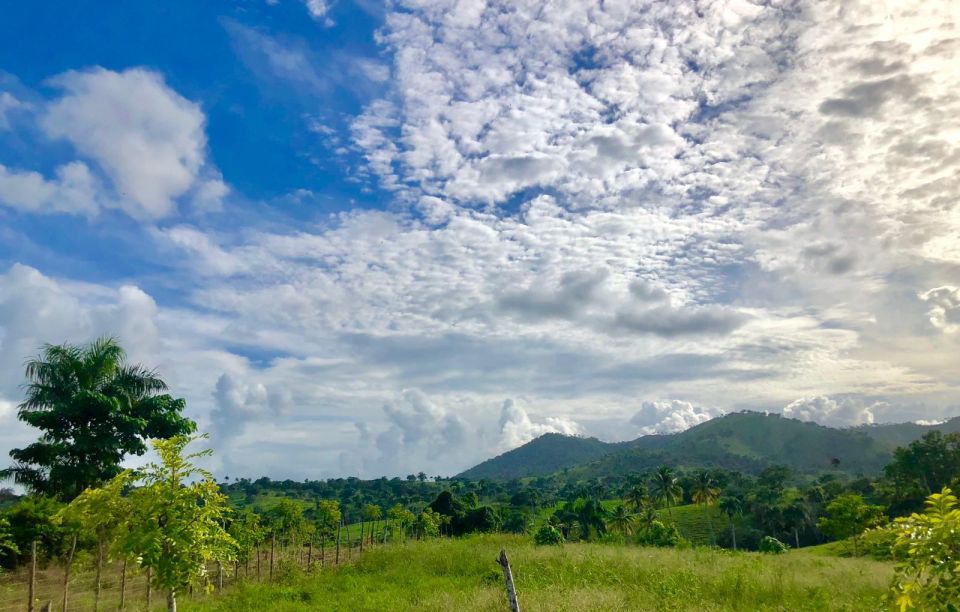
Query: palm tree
[[647, 516], [637, 497], [666, 489], [93, 409], [621, 521], [732, 506], [705, 493]]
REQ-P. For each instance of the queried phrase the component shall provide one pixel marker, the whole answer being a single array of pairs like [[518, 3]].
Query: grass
[[460, 574]]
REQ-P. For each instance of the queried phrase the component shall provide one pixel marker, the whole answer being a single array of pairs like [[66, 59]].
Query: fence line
[[32, 587]]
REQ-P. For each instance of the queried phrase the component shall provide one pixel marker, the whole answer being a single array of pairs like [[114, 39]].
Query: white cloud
[[8, 106], [145, 137], [667, 417], [833, 412], [516, 427], [944, 310], [318, 9], [74, 190]]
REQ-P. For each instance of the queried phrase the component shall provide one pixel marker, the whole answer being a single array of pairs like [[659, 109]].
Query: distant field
[[460, 574]]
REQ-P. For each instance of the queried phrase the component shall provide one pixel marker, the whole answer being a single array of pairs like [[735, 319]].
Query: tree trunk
[[796, 537], [219, 577], [149, 588], [361, 536], [171, 601], [123, 583], [733, 534], [66, 573], [508, 578]]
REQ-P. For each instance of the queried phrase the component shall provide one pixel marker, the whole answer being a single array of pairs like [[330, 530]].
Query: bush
[[548, 536], [658, 534], [772, 546], [878, 543]]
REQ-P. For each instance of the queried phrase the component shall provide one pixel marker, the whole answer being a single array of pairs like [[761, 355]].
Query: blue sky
[[376, 239]]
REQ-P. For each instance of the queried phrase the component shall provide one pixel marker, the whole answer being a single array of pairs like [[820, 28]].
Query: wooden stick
[[273, 546], [508, 578], [123, 583], [66, 573], [33, 575], [149, 588]]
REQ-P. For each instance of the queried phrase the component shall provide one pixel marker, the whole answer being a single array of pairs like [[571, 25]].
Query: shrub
[[928, 578], [658, 534], [772, 546], [548, 536], [878, 543]]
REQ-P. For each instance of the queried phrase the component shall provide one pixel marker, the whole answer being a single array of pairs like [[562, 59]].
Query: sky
[[368, 239]]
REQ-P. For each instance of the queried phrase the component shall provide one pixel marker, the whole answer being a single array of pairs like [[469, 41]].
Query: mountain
[[544, 455], [743, 441]]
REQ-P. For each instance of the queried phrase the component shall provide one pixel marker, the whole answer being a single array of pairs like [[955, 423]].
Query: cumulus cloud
[[944, 310], [420, 426], [148, 139], [73, 190], [833, 412], [666, 417], [516, 427], [239, 403], [9, 105]]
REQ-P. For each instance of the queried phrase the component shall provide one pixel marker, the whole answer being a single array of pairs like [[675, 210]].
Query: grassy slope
[[462, 575]]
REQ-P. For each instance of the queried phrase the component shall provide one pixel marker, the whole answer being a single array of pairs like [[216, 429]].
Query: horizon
[[373, 239]]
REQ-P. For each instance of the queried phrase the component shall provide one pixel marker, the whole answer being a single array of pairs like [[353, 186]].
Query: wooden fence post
[[309, 555], [149, 588], [99, 585], [123, 583], [66, 572], [323, 551], [361, 536], [258, 562], [273, 547], [508, 578], [339, 527], [219, 577], [33, 575]]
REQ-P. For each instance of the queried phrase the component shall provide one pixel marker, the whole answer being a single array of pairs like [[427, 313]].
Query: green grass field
[[461, 574]]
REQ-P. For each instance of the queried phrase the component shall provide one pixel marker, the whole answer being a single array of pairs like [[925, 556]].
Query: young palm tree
[[666, 488], [621, 521], [732, 506], [637, 497], [705, 493]]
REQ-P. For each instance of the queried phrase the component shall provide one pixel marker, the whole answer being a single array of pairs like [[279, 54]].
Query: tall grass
[[461, 574]]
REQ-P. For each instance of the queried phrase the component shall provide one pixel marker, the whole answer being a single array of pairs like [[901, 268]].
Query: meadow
[[461, 574]]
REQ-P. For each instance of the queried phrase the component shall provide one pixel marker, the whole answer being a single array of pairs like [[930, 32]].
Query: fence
[[126, 586]]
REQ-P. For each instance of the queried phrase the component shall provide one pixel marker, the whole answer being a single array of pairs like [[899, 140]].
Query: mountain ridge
[[743, 441]]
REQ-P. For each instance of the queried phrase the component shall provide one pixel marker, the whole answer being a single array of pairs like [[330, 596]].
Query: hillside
[[745, 441], [549, 453]]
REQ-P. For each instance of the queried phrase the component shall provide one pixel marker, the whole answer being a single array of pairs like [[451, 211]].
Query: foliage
[[928, 545], [286, 522], [548, 535], [426, 524], [177, 516], [920, 468], [620, 521], [877, 543], [660, 534], [247, 530], [328, 517], [8, 546], [33, 518], [93, 409], [665, 487], [771, 545], [847, 516]]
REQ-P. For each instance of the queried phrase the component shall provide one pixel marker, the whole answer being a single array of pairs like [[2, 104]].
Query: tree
[[401, 517], [847, 516], [621, 521], [372, 513], [176, 521], [248, 532], [426, 524], [928, 545], [922, 467], [705, 493], [732, 506], [8, 546], [637, 497], [665, 488], [93, 409]]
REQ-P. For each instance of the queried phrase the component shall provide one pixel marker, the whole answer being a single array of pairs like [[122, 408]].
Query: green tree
[[920, 468], [401, 518], [732, 506], [705, 493], [8, 546], [286, 521], [620, 521], [847, 516], [928, 545], [426, 524], [93, 409], [666, 489], [176, 521], [372, 513], [637, 497], [248, 532]]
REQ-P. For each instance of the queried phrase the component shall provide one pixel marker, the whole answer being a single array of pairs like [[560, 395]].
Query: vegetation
[[459, 574], [93, 409]]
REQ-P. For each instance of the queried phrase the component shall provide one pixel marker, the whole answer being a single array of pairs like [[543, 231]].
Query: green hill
[[549, 453], [744, 441]]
